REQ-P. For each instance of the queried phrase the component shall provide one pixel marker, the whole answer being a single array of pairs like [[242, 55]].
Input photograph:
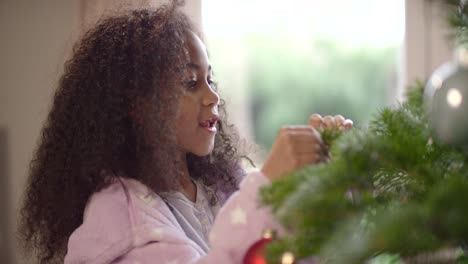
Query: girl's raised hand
[[297, 146], [294, 147]]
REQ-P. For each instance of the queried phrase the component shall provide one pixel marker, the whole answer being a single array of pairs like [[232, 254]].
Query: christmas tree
[[392, 192]]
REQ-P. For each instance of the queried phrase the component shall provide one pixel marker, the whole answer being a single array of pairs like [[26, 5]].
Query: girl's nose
[[210, 97]]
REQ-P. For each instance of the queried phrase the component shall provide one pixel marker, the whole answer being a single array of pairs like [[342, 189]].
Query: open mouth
[[210, 124]]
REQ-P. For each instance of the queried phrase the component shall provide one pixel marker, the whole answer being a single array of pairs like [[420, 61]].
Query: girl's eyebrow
[[197, 67]]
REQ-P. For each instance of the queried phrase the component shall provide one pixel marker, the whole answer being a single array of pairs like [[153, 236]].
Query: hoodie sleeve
[[238, 225]]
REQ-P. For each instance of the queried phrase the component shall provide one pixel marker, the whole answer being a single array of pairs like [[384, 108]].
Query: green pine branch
[[382, 183], [458, 20], [390, 192]]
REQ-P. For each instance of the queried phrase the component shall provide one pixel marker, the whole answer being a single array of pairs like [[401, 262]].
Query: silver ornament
[[446, 100]]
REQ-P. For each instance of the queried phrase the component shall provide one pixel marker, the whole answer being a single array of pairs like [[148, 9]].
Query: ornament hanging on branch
[[446, 99], [255, 254]]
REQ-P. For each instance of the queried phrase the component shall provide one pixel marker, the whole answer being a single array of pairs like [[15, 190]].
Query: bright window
[[279, 61]]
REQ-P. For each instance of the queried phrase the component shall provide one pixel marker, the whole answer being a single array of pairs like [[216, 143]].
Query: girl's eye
[[191, 84], [210, 81]]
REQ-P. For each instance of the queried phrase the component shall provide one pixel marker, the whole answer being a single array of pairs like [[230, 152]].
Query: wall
[[427, 45], [36, 36]]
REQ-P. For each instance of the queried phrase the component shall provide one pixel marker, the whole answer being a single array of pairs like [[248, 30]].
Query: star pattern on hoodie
[[238, 216]]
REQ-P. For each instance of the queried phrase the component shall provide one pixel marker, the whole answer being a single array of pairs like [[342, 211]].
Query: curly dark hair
[[97, 130]]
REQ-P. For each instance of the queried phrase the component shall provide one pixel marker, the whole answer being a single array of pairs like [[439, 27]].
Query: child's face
[[198, 113]]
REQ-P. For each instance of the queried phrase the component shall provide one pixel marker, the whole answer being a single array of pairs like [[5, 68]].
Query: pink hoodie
[[128, 223]]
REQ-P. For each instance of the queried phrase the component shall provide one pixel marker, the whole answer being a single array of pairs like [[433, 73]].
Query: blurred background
[[281, 62], [276, 62]]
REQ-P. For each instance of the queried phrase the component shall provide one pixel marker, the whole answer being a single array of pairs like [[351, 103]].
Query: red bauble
[[254, 254]]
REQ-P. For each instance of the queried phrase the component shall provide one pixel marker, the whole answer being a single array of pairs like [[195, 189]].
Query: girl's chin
[[202, 153]]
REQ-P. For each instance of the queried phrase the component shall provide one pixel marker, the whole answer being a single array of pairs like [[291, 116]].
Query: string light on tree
[[287, 258]]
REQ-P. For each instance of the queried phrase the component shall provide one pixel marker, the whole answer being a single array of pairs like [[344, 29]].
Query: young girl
[[136, 163]]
